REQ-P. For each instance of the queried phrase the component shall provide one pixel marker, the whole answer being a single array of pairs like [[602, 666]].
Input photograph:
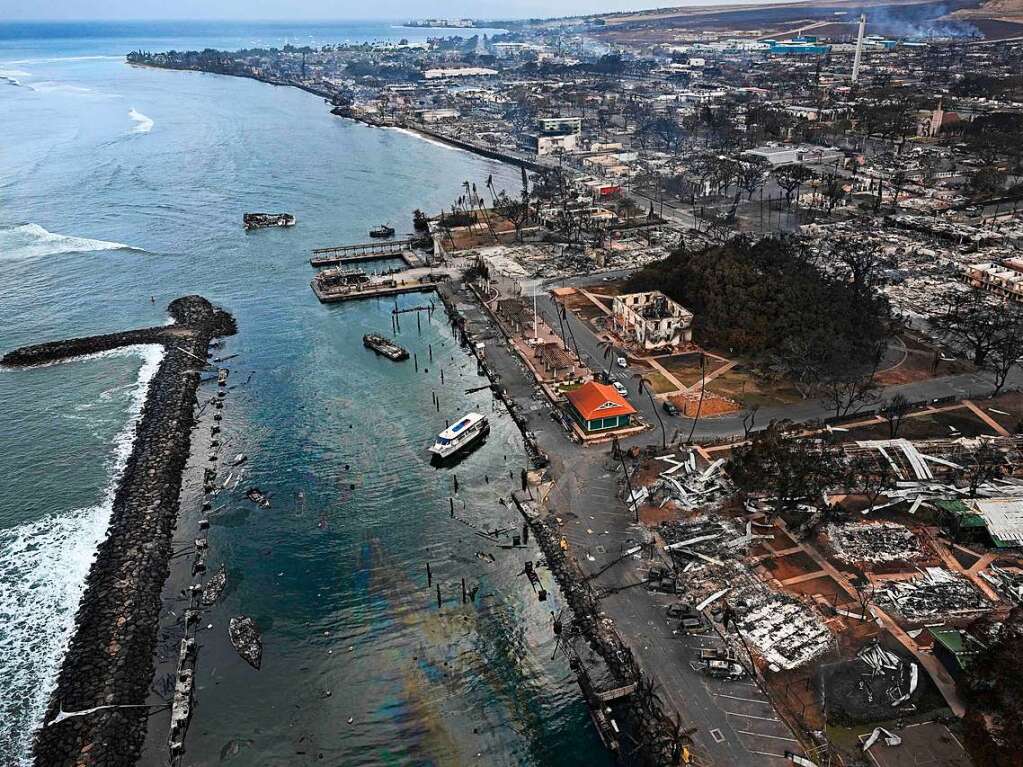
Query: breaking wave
[[144, 124], [27, 241], [13, 76], [43, 567]]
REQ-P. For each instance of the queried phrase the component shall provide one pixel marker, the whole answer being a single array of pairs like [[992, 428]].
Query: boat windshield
[[443, 441]]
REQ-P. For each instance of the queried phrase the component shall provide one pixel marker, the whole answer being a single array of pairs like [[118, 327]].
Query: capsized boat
[[461, 434], [384, 346], [246, 640], [382, 231], [263, 220]]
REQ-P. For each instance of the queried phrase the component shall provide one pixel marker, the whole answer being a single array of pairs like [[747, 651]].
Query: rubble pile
[[871, 686], [701, 539], [880, 542], [786, 632], [935, 592], [686, 485], [1006, 581]]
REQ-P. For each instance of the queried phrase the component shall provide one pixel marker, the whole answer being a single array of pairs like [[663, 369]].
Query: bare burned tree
[[749, 420], [894, 411], [790, 178], [1007, 348], [971, 319]]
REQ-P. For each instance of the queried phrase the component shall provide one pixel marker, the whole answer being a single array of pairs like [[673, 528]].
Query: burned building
[[651, 320]]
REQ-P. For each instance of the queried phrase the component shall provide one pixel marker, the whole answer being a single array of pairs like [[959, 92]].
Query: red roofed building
[[598, 407]]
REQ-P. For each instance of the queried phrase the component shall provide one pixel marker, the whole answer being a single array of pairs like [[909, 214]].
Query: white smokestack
[[859, 47]]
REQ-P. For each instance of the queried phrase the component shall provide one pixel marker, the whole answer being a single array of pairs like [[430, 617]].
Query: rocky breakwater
[[96, 714]]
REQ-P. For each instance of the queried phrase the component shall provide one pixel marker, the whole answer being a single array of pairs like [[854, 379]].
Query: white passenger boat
[[462, 433]]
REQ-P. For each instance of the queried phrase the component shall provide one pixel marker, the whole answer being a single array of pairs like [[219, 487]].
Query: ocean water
[[122, 188]]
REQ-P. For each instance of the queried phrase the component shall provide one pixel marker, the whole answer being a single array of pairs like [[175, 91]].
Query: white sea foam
[[43, 566], [144, 124], [27, 241], [13, 76], [55, 86], [53, 60], [430, 140]]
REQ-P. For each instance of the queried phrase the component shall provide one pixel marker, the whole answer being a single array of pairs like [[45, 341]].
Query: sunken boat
[[384, 347], [264, 220], [246, 640]]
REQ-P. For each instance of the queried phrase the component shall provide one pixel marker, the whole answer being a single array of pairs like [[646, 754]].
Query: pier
[[97, 712], [330, 294], [357, 253]]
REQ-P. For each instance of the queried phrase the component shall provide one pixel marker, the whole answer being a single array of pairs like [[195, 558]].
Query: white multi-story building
[[652, 320]]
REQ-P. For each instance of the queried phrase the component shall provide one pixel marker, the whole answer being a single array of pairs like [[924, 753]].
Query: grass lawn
[[741, 385], [659, 383], [686, 367]]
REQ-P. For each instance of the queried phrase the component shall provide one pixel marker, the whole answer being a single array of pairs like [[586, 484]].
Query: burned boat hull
[[246, 640], [264, 220]]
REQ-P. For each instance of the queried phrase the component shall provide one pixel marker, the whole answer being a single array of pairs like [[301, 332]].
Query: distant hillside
[[994, 9]]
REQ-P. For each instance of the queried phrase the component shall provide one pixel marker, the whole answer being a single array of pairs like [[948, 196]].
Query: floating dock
[[361, 252], [330, 295]]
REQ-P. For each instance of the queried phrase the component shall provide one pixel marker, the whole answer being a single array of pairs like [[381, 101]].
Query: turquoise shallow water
[[122, 188]]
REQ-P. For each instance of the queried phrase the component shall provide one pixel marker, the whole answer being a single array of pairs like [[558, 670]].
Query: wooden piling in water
[[429, 575]]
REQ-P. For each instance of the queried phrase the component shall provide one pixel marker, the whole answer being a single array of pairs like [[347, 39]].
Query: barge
[[384, 347]]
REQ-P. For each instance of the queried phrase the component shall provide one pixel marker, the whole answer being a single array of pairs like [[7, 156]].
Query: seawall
[[642, 725], [109, 662]]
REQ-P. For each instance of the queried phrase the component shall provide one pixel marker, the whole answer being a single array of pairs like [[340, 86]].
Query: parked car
[[620, 389], [622, 362], [670, 408]]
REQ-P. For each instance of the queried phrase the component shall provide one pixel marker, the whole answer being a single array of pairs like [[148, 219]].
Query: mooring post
[[429, 575], [438, 596], [442, 375], [451, 503], [430, 347], [419, 324], [465, 596], [415, 361], [455, 478]]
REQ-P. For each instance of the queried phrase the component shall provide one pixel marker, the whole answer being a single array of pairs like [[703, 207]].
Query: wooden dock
[[371, 290], [361, 252]]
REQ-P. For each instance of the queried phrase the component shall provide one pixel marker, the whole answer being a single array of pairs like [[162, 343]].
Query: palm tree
[[608, 347], [703, 389], [645, 382]]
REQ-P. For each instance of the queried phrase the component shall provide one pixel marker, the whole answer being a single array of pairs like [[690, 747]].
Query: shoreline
[[420, 131], [109, 660]]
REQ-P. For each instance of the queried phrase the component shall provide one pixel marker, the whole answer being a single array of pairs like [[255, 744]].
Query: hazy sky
[[314, 9]]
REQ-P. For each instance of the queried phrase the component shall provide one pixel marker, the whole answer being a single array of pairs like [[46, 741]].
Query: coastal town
[[755, 305]]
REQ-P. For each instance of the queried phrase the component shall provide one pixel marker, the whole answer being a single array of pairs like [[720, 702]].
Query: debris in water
[[258, 497]]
